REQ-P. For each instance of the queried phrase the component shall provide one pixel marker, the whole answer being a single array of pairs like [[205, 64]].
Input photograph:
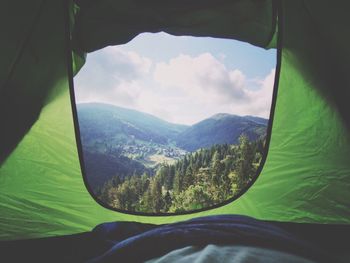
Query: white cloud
[[210, 87], [112, 75], [261, 98], [185, 89], [203, 76], [128, 64]]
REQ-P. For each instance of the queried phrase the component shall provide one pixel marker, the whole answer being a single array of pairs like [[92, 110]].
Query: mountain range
[[220, 129], [107, 122], [109, 134]]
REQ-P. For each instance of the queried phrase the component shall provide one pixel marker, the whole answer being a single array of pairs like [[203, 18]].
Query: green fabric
[[111, 22], [31, 47], [78, 56], [306, 177]]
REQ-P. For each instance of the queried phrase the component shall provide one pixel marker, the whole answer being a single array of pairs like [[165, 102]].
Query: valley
[[121, 144], [150, 154]]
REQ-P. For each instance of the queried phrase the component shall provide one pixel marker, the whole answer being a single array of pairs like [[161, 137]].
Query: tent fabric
[[305, 178], [110, 22], [32, 62], [28, 50]]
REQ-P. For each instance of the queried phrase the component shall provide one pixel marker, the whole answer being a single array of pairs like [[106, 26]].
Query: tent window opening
[[173, 124]]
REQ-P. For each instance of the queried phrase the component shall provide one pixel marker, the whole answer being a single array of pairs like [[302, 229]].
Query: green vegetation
[[137, 162], [200, 179], [220, 129], [123, 142]]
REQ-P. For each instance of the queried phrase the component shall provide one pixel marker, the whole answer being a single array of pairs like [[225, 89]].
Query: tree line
[[200, 179]]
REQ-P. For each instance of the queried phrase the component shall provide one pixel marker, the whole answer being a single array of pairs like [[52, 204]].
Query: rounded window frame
[[277, 26]]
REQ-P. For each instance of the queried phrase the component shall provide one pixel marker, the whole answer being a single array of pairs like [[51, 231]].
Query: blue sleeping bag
[[137, 242]]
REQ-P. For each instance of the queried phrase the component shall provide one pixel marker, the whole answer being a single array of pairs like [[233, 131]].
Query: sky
[[180, 79]]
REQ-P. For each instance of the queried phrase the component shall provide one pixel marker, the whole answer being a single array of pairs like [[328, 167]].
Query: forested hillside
[[219, 129], [201, 179], [137, 162]]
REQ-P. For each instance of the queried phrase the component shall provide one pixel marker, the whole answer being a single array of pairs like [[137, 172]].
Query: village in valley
[[152, 154]]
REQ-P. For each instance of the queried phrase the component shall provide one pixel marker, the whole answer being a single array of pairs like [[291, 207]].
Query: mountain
[[104, 125], [120, 141], [258, 120], [219, 129], [112, 123], [100, 167]]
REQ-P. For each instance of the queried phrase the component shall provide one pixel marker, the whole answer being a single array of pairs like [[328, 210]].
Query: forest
[[199, 180]]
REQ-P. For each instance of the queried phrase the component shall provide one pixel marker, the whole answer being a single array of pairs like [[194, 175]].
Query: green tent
[[306, 175]]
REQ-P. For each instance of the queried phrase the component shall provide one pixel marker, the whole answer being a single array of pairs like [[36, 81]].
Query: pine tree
[[168, 173], [146, 204], [245, 161], [188, 178], [217, 169], [157, 197], [177, 186], [167, 201]]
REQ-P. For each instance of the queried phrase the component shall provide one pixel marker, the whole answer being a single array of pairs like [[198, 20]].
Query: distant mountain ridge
[[117, 139], [98, 121], [109, 120], [221, 128], [257, 119]]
